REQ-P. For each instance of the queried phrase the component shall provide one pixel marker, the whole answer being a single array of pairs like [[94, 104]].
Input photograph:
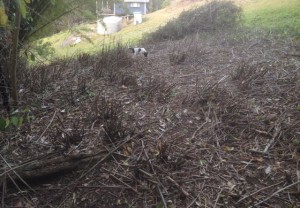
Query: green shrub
[[16, 120], [211, 17]]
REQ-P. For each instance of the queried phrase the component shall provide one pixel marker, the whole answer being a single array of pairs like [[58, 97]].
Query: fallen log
[[57, 164], [49, 166]]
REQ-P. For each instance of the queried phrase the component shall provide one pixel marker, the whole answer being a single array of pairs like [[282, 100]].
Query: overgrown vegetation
[[214, 16], [63, 15]]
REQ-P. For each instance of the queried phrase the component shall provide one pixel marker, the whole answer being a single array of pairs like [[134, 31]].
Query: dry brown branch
[[125, 184], [59, 164], [217, 199], [293, 54], [252, 194], [50, 166], [54, 114], [159, 184], [110, 153], [271, 142], [184, 192], [276, 192]]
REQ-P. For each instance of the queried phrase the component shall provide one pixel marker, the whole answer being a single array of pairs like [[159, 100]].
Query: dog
[[137, 51]]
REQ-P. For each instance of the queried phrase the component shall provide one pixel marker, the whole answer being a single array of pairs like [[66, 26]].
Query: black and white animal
[[137, 51]]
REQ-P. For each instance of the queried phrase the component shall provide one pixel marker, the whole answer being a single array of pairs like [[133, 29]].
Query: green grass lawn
[[281, 16]]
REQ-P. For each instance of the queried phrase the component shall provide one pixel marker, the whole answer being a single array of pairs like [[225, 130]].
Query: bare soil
[[208, 121]]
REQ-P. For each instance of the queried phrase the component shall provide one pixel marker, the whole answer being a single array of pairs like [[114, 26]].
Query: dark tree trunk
[[4, 80], [14, 58], [4, 91]]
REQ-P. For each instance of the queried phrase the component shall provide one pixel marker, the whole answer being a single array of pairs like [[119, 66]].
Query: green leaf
[[202, 162], [7, 123], [20, 122], [29, 118], [26, 110], [160, 205], [27, 1], [26, 53], [2, 124], [14, 120], [22, 7], [296, 142], [32, 57]]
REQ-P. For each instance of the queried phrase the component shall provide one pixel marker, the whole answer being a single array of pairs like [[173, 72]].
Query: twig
[[277, 131], [97, 187], [159, 183], [276, 192], [162, 196], [47, 126], [193, 202], [109, 154], [215, 205], [292, 54], [245, 197], [146, 173], [125, 184], [200, 127], [21, 179], [185, 193], [3, 191], [222, 79], [189, 75]]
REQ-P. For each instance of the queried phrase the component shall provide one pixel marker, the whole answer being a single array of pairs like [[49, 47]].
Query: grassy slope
[[130, 34], [280, 15]]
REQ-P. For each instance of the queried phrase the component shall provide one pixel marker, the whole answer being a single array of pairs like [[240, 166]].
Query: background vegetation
[[277, 16], [214, 16]]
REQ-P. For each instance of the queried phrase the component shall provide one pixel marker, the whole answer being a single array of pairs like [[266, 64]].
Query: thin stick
[[185, 193], [245, 197], [20, 178], [3, 191], [215, 205], [109, 154], [125, 184], [159, 183], [200, 127], [193, 202], [47, 126], [280, 190], [277, 131]]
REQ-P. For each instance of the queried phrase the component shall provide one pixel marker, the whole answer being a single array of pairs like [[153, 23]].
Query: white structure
[[137, 18], [109, 25]]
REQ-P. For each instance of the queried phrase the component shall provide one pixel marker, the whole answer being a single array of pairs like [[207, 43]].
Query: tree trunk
[[14, 58]]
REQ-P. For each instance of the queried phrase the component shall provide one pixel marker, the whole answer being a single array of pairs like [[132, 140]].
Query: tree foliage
[[63, 15], [17, 19], [31, 11]]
